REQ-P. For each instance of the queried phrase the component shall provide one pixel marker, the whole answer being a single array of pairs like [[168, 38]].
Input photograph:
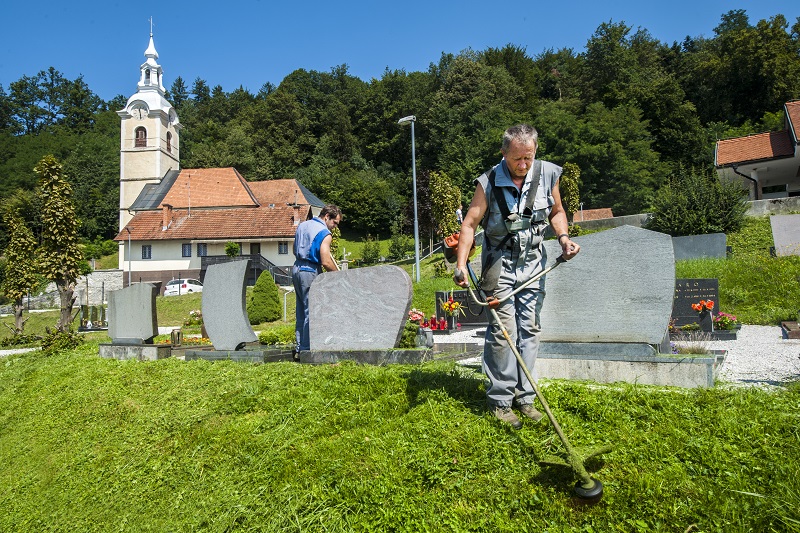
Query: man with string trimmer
[[513, 202]]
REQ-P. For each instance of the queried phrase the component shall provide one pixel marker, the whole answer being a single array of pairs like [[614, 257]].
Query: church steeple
[[151, 72], [150, 134]]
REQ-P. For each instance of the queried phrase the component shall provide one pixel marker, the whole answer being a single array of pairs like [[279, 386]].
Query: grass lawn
[[88, 444]]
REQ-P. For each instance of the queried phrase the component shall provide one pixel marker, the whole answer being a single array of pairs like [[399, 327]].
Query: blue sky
[[253, 42]]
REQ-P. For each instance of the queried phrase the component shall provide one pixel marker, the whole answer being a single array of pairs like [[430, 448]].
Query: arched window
[[169, 142], [147, 76], [141, 137]]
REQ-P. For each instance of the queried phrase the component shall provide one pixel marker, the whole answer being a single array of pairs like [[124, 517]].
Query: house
[[768, 164], [176, 222]]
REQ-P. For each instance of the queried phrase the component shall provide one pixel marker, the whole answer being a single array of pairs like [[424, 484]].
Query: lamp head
[[408, 119]]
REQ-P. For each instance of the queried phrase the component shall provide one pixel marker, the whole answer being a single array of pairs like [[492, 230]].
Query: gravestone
[[132, 314], [618, 289], [224, 306], [786, 234], [132, 325], [474, 314], [696, 246], [690, 291], [359, 309]]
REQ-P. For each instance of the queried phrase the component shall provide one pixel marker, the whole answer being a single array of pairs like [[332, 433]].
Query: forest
[[628, 110]]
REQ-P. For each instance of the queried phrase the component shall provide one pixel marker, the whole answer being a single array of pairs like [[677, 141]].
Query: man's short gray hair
[[522, 133]]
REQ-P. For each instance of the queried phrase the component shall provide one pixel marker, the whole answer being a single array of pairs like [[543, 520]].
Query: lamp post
[[129, 255], [406, 120]]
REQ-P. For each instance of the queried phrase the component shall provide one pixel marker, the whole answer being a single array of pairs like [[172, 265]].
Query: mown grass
[[88, 444]]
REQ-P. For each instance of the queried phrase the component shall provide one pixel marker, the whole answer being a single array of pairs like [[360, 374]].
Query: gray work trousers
[[302, 281], [507, 383]]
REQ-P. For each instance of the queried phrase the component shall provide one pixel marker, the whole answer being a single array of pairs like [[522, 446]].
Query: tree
[[264, 304], [20, 271], [178, 92], [569, 187], [231, 249], [445, 198], [61, 256]]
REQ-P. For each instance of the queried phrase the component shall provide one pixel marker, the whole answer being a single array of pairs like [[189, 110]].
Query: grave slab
[[132, 314], [139, 352], [786, 234], [618, 289], [224, 307], [697, 246], [359, 309]]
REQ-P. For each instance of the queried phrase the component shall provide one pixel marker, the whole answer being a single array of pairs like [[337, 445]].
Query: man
[[312, 250], [512, 254]]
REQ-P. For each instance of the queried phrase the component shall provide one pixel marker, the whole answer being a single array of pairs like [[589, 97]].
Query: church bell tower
[[150, 134]]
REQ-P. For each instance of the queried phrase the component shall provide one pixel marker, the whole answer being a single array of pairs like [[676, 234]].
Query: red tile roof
[[211, 224], [209, 187], [793, 112], [770, 145], [592, 214], [277, 192]]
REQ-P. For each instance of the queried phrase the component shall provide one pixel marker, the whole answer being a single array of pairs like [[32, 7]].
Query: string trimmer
[[587, 488]]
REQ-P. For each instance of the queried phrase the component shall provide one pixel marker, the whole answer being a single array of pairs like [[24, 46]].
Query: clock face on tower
[[138, 112]]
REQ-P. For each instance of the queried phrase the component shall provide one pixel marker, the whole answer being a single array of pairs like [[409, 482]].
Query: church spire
[[151, 72]]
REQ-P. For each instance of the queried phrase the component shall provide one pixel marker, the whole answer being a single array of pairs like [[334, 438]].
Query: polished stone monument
[[132, 324], [224, 306], [359, 309]]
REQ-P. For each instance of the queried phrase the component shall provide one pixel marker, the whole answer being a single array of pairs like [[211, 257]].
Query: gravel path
[[760, 356]]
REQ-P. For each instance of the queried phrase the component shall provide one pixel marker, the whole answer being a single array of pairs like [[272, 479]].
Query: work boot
[[505, 414], [530, 411]]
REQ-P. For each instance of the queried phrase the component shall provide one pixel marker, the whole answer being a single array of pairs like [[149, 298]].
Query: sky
[[248, 43]]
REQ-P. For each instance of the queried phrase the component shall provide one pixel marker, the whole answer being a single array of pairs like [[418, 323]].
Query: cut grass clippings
[[89, 444]]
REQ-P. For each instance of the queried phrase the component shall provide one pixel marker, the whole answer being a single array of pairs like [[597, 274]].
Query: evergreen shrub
[[264, 303], [276, 335], [696, 203]]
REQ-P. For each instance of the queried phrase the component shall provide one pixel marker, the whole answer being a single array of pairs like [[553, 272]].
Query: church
[[173, 222]]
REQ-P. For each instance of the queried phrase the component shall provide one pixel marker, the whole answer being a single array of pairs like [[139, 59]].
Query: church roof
[[218, 203], [216, 224]]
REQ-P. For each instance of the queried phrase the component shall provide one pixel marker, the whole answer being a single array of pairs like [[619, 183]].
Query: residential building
[[767, 164]]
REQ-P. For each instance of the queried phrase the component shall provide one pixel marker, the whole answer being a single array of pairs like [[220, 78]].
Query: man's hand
[[460, 276], [569, 248]]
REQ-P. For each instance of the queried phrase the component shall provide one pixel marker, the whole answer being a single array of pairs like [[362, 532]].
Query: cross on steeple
[[151, 26]]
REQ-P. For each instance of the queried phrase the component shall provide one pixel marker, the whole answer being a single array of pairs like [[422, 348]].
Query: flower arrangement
[[725, 321], [195, 318], [703, 305], [451, 307], [415, 315]]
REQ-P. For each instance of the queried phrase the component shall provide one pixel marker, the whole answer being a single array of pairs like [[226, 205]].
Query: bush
[[231, 249], [371, 252], [409, 337], [695, 203], [400, 245], [264, 304], [280, 334], [57, 341], [20, 340]]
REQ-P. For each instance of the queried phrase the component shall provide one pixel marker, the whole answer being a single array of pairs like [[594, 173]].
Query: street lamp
[[405, 120], [129, 255]]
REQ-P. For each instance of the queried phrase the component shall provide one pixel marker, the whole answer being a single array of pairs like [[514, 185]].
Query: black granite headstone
[[690, 291], [473, 313]]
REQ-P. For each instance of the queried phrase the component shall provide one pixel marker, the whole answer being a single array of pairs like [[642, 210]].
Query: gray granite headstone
[[224, 307], [132, 314], [359, 309], [619, 288], [473, 313], [696, 246], [786, 234]]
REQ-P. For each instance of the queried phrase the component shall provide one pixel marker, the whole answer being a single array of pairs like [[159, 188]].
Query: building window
[[283, 247], [147, 251], [202, 249], [169, 142], [141, 137], [186, 250]]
